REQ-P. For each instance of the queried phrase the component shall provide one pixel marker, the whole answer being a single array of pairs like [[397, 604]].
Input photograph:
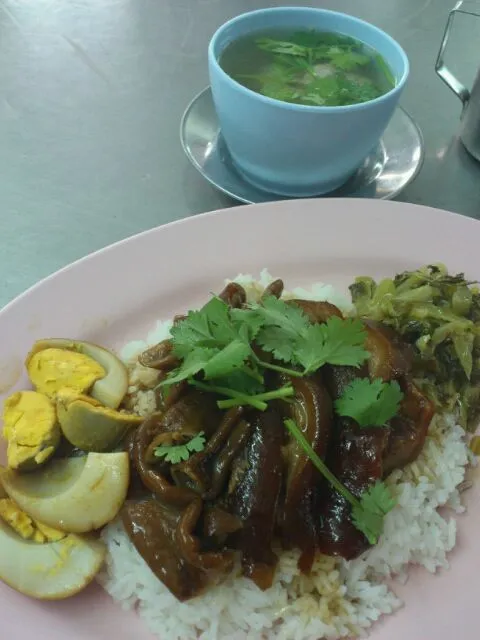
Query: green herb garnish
[[287, 333], [315, 68], [176, 453], [369, 511], [210, 340], [370, 403], [215, 345]]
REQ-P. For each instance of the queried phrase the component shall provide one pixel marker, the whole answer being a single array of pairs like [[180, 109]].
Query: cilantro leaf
[[209, 327], [242, 382], [289, 335], [281, 47], [338, 342], [209, 340], [227, 360], [222, 329], [369, 514], [181, 452], [272, 340], [348, 60], [197, 443], [247, 326], [286, 322], [193, 362], [190, 332], [370, 403], [173, 453], [289, 317]]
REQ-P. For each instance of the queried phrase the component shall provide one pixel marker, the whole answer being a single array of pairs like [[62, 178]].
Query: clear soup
[[308, 67]]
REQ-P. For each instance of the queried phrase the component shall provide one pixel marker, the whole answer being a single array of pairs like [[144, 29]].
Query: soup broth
[[308, 67]]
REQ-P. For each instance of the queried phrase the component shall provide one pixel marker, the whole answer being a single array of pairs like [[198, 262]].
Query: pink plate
[[116, 294]]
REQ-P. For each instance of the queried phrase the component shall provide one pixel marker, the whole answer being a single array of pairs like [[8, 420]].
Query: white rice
[[339, 599]]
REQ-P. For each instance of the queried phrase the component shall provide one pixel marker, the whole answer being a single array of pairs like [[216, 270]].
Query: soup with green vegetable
[[308, 67]]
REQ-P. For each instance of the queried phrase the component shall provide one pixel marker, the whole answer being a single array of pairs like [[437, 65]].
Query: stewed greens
[[438, 313]]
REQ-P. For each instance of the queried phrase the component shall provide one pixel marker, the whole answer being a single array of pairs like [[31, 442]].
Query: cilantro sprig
[[176, 453], [211, 340], [292, 73], [216, 348], [287, 333], [369, 511], [368, 516], [370, 403]]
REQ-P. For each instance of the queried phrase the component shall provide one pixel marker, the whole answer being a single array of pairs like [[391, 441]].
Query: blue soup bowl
[[299, 150]]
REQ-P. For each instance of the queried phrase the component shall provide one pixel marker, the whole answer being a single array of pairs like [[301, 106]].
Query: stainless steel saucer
[[385, 172]]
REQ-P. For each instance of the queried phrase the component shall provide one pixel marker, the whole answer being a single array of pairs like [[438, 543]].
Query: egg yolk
[[53, 369], [27, 527], [30, 428]]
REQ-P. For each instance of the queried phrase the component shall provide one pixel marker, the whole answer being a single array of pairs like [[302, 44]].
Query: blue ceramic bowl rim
[[304, 107]]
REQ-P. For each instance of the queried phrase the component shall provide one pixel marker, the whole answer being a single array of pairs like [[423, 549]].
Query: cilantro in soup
[[308, 67]]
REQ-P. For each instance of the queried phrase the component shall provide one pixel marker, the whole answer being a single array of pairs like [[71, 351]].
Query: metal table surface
[[91, 96]]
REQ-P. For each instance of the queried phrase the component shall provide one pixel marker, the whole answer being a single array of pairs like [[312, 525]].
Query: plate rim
[[449, 216]]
